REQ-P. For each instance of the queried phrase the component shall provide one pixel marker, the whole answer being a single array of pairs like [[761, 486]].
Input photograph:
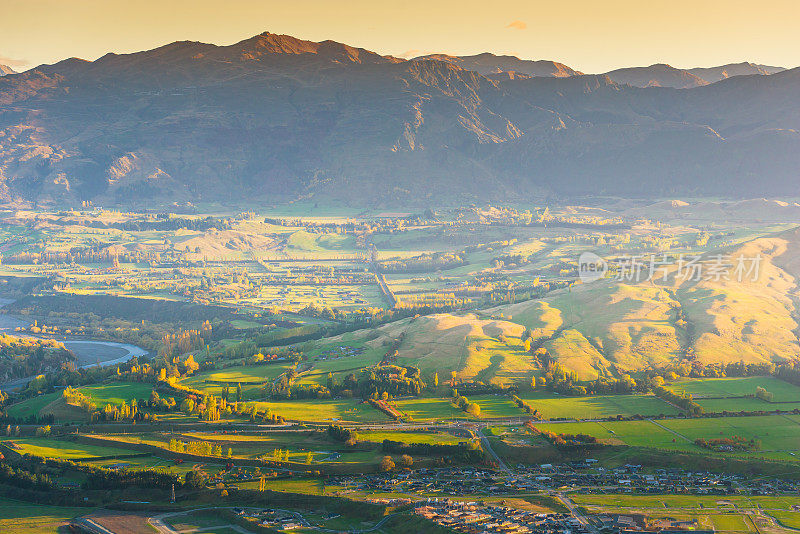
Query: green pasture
[[738, 387], [431, 438], [117, 392], [63, 449], [598, 407], [323, 410], [420, 409], [28, 518], [32, 406]]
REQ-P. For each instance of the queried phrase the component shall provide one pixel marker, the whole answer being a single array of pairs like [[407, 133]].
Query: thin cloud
[[411, 53], [517, 25], [11, 62]]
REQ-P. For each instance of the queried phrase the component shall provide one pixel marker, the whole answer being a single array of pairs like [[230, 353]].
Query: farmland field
[[599, 407], [322, 410], [33, 405], [18, 516], [737, 387], [775, 432], [63, 449], [779, 435], [117, 392], [411, 437], [429, 409]]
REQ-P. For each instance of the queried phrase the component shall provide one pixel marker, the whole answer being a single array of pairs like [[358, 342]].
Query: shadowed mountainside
[[277, 118]]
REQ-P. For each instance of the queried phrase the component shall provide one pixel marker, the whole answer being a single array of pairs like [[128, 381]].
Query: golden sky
[[592, 36]]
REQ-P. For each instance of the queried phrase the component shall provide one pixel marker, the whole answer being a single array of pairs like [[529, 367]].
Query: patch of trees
[[467, 451], [533, 412], [342, 433], [392, 380], [424, 263], [183, 341], [385, 407], [22, 478], [735, 443], [507, 260], [100, 478], [763, 394], [681, 400], [567, 441], [199, 448], [22, 356], [566, 382], [251, 411], [132, 309], [463, 403]]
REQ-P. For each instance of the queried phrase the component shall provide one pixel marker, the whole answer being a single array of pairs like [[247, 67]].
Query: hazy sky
[[592, 36]]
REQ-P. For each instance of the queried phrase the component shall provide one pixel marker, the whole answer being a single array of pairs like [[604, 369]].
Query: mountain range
[[658, 75], [275, 118]]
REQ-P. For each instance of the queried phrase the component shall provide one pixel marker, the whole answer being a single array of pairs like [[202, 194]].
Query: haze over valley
[[289, 284]]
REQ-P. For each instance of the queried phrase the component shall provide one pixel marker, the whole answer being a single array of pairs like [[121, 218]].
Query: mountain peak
[[487, 64], [266, 44], [745, 68], [657, 75], [5, 69]]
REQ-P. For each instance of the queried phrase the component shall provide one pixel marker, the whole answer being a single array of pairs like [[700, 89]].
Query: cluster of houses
[[282, 520], [341, 351], [584, 476], [479, 517]]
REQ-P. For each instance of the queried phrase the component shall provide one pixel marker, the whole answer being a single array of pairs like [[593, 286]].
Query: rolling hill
[[611, 327]]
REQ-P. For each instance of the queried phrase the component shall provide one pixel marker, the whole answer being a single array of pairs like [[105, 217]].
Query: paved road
[[487, 446], [575, 512]]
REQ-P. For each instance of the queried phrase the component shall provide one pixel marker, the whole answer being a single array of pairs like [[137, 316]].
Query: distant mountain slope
[[5, 69], [275, 118], [715, 74], [487, 64], [659, 75]]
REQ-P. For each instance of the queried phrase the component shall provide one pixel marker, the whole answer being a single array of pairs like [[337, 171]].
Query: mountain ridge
[[278, 118]]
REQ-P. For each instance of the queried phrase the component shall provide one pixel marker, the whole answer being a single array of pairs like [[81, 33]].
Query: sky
[[591, 36]]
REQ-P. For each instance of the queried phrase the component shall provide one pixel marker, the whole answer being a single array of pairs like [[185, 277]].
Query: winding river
[[89, 353]]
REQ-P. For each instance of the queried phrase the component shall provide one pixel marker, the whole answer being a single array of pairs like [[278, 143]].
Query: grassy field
[[433, 438], [738, 387], [67, 450], [117, 392], [779, 435], [789, 519], [251, 378], [742, 404], [27, 518], [775, 432], [632, 433], [598, 407], [430, 409], [323, 410], [686, 502], [32, 406]]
